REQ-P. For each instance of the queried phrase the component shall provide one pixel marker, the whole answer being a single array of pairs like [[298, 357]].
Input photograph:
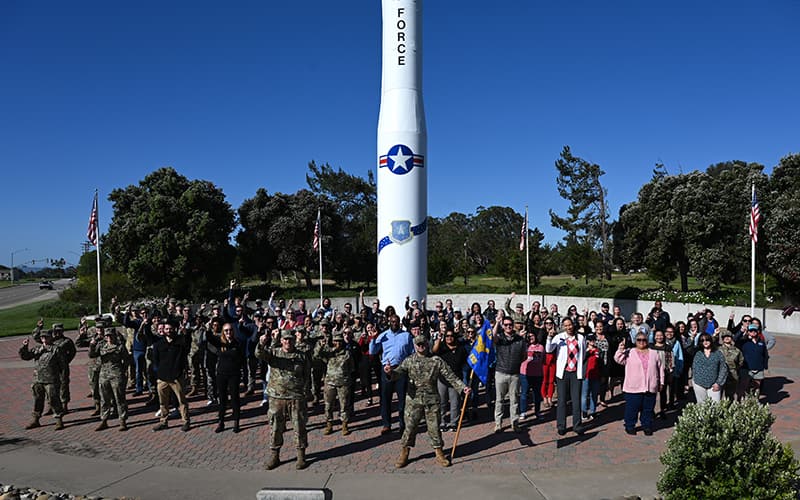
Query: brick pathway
[[479, 450]]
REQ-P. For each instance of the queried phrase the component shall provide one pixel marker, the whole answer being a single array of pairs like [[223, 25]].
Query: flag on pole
[[523, 233], [755, 217], [91, 232], [315, 243], [482, 354]]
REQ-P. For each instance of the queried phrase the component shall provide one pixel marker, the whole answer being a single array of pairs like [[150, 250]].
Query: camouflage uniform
[[315, 337], [67, 350], [735, 360], [289, 372], [197, 351], [422, 395], [113, 358], [46, 378], [338, 379]]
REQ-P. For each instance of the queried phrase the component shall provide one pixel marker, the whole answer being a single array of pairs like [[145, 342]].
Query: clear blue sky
[[99, 94]]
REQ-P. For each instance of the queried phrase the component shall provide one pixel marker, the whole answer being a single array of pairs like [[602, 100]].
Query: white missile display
[[402, 161]]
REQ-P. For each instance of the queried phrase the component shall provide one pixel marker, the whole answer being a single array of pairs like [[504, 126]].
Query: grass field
[[22, 319]]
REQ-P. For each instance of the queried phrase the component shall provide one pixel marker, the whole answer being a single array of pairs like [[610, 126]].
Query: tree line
[[173, 235]]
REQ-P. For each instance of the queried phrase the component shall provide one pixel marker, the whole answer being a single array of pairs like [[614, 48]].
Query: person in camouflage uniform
[[197, 351], [114, 358], [96, 334], [338, 380], [422, 397], [319, 335], [303, 344], [289, 372], [46, 377], [734, 359], [66, 347]]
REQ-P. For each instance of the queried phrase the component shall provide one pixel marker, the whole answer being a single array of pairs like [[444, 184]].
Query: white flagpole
[[97, 248], [319, 222], [752, 259], [527, 258]]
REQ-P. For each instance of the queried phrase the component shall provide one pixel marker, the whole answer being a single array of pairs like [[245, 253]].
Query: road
[[27, 293]]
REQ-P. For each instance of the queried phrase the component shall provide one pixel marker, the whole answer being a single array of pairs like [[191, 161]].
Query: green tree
[[586, 221], [780, 206], [356, 202], [281, 227], [170, 235]]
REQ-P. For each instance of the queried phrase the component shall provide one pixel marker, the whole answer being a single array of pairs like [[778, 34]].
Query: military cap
[[213, 302], [287, 334], [300, 328], [724, 332], [420, 339], [101, 323], [46, 333], [338, 337], [520, 305], [58, 326], [324, 322]]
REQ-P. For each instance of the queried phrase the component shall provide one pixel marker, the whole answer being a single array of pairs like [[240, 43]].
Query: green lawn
[[22, 319]]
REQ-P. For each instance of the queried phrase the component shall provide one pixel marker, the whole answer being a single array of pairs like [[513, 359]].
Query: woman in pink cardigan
[[644, 376]]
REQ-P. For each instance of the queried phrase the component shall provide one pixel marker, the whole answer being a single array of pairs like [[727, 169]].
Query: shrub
[[63, 309], [725, 450]]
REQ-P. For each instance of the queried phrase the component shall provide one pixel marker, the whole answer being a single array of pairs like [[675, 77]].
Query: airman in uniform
[[289, 372], [113, 357], [422, 397], [338, 380], [67, 350], [46, 378]]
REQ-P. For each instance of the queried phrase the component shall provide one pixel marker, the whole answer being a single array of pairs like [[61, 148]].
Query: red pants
[[549, 375]]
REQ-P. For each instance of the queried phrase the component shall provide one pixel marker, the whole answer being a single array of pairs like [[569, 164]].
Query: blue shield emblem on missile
[[400, 160], [401, 231]]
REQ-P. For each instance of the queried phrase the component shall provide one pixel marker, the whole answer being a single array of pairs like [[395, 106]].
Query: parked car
[[45, 285]]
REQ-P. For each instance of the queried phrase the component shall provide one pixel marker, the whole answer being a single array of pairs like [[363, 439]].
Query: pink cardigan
[[636, 380]]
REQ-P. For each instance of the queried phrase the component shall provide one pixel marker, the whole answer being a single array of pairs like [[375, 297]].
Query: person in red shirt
[[593, 372], [530, 375]]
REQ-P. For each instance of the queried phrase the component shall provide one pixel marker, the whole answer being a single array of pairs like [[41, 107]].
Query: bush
[[63, 309], [725, 450]]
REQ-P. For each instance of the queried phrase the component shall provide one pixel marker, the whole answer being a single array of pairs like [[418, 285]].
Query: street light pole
[[12, 261]]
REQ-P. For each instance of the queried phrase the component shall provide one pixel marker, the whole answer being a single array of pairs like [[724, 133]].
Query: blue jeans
[[639, 403], [140, 362], [530, 382], [388, 388], [589, 392]]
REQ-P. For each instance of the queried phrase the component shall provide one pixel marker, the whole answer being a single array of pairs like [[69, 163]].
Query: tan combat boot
[[345, 430], [440, 458], [274, 459], [402, 460], [96, 412], [123, 426], [59, 424], [103, 426], [34, 423], [328, 428], [301, 459]]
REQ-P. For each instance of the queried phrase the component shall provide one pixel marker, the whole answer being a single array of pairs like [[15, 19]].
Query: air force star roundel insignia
[[400, 160]]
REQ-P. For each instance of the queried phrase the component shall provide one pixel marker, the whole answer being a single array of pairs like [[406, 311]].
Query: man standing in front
[[423, 371], [290, 370], [46, 376], [569, 348], [394, 345], [169, 356], [511, 349]]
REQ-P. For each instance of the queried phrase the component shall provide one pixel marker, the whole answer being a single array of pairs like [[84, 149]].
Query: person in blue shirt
[[394, 345]]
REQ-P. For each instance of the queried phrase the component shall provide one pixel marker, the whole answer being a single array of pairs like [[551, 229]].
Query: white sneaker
[[210, 402], [158, 413], [264, 402], [173, 411], [522, 416]]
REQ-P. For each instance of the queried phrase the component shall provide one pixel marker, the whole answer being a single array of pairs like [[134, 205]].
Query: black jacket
[[170, 358]]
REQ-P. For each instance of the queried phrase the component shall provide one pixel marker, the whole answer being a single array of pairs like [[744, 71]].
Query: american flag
[[755, 216], [523, 233], [315, 243], [91, 232]]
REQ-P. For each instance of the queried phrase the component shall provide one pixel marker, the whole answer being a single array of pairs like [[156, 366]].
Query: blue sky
[[99, 94]]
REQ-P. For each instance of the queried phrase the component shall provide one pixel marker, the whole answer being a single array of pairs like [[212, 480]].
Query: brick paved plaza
[[365, 450]]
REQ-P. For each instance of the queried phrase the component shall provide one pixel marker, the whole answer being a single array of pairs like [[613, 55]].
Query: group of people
[[299, 358]]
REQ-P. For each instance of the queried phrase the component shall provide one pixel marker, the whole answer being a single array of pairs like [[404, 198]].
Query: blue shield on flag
[[401, 231], [482, 355]]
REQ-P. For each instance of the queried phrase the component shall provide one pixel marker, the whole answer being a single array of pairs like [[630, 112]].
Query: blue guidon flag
[[401, 160]]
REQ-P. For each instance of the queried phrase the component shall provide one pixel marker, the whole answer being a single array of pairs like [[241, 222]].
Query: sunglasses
[[641, 340]]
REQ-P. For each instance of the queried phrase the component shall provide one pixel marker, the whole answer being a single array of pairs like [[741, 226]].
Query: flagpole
[[319, 222], [463, 408], [752, 258], [97, 247], [527, 258]]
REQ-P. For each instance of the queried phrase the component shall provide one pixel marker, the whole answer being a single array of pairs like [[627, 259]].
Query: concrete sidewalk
[[24, 465]]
